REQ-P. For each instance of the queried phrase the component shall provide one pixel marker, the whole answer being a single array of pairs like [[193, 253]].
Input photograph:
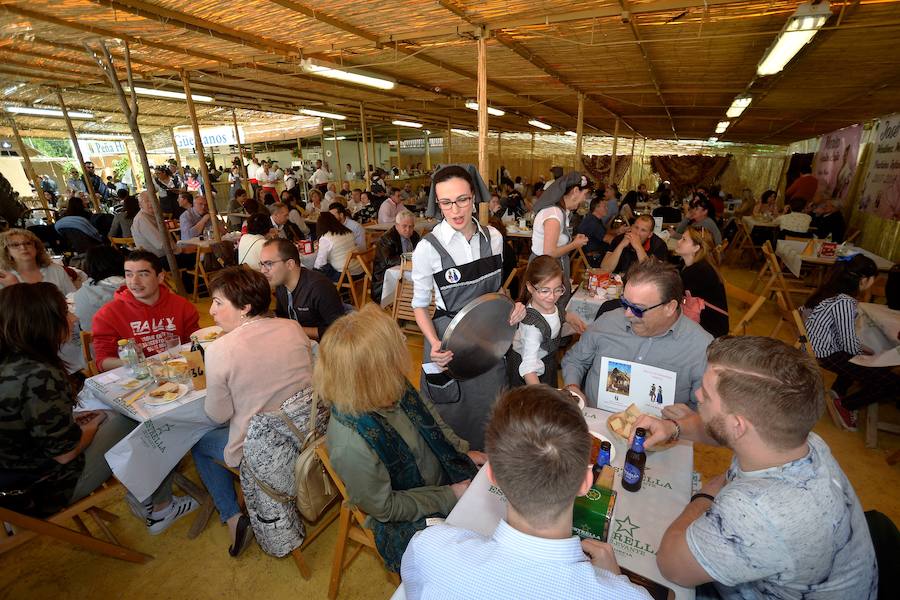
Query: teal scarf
[[392, 538]]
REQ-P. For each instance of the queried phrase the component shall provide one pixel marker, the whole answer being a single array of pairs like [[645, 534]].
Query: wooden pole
[[337, 152], [178, 166], [204, 169], [643, 148], [499, 157], [449, 148], [579, 133], [78, 154], [243, 170], [631, 166], [531, 179], [134, 170], [358, 151], [299, 150], [365, 143], [483, 167], [399, 154], [427, 153], [612, 159], [29, 168], [130, 110], [374, 149]]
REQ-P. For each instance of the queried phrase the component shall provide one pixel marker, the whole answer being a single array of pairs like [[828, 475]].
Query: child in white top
[[532, 358]]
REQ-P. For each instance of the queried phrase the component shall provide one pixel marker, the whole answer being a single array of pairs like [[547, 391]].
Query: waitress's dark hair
[[33, 322], [451, 172], [541, 268], [844, 279]]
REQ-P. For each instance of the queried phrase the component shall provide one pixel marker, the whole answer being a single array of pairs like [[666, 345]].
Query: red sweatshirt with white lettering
[[126, 317]]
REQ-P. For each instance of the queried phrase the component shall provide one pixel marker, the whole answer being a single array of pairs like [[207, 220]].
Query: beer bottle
[[602, 458], [635, 459], [196, 346]]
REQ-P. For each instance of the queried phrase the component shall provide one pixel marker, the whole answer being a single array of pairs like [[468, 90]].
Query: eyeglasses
[[267, 264], [637, 311], [557, 291], [461, 202], [28, 244]]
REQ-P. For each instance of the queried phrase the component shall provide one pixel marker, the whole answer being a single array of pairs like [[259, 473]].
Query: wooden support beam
[[399, 153], [132, 163], [612, 159], [427, 153], [449, 148], [337, 152], [579, 132], [92, 194], [204, 168], [531, 179], [29, 168], [362, 129], [130, 110], [179, 167], [641, 172], [243, 169], [481, 43]]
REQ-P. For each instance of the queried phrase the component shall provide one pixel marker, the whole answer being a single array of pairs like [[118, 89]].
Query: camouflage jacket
[[36, 424]]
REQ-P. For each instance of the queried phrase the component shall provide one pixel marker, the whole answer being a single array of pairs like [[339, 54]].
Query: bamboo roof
[[669, 71]]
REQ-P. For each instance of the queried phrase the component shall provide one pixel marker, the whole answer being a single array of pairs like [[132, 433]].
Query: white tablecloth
[[878, 327], [791, 254], [752, 222], [639, 518], [308, 260], [389, 287], [166, 433]]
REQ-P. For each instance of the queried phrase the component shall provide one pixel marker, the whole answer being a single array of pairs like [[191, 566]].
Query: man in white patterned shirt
[[539, 449]]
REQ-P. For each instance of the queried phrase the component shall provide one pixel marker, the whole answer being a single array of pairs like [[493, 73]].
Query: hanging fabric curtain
[[598, 167], [683, 172]]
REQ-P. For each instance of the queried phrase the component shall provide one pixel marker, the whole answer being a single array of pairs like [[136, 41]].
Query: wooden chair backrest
[[322, 453], [403, 310], [753, 302], [358, 287], [125, 242], [87, 338], [579, 266], [510, 278], [802, 337]]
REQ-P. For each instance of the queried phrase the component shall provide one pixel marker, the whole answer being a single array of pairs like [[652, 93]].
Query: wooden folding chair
[[351, 527], [87, 338], [743, 242], [510, 278], [27, 528], [123, 243], [402, 310], [720, 251], [753, 302], [199, 273], [359, 288], [778, 282], [579, 267]]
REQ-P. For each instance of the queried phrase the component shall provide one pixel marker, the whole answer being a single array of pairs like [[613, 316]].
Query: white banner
[[881, 195], [102, 147], [210, 136]]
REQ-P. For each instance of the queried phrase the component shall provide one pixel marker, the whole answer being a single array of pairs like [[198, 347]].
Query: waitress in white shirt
[[459, 261]]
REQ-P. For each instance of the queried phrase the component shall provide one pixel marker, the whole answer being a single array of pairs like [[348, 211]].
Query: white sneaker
[[181, 506]]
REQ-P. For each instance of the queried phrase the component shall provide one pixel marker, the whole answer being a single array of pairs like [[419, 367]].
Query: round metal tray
[[479, 335]]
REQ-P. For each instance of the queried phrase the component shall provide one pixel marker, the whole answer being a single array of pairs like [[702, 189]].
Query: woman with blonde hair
[[24, 259], [702, 281], [400, 462]]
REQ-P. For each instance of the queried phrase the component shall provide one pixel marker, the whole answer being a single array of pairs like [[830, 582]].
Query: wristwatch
[[675, 434]]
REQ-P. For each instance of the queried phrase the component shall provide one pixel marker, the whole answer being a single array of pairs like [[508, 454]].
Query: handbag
[[315, 490], [693, 305]]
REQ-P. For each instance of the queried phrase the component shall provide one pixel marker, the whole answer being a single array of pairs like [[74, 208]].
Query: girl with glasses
[[532, 358]]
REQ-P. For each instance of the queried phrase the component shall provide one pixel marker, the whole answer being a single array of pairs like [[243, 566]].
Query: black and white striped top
[[831, 326]]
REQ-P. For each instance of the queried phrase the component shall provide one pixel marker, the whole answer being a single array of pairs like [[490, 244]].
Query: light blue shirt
[[788, 532], [359, 234], [449, 563]]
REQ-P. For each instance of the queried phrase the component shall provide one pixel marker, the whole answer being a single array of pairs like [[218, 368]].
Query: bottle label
[[631, 474], [638, 444]]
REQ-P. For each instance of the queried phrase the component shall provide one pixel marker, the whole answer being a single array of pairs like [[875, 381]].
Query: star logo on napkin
[[628, 529]]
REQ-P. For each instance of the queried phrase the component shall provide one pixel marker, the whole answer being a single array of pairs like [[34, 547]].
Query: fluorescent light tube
[[539, 124], [324, 115], [48, 112], [348, 76], [143, 91], [336, 138], [738, 106], [797, 32], [571, 134], [406, 124], [722, 126], [491, 110]]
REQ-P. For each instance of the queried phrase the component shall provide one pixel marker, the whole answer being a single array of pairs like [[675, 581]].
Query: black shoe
[[243, 535]]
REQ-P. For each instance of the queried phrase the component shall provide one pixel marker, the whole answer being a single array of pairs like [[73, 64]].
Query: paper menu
[[623, 383]]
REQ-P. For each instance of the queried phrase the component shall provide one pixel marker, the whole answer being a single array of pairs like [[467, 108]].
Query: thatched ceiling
[[669, 72]]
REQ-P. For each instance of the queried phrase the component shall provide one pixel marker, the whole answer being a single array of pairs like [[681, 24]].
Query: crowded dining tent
[[449, 299]]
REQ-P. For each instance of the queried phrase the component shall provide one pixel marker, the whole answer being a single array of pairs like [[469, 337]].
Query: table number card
[[196, 369], [623, 383]]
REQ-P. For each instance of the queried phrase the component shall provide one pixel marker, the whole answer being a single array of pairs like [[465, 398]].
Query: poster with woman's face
[[881, 193], [835, 162]]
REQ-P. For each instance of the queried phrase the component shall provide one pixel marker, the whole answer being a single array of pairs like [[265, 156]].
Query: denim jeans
[[218, 480]]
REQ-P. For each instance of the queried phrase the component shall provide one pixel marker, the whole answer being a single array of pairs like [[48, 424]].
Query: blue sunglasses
[[637, 311]]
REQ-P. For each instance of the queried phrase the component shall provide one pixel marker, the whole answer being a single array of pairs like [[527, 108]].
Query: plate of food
[[166, 393], [621, 425], [207, 335], [169, 369]]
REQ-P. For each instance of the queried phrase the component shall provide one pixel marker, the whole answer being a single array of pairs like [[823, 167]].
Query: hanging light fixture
[[324, 115], [571, 134], [738, 106], [796, 33], [349, 76], [540, 124], [722, 126], [406, 124], [472, 105], [48, 112], [143, 91]]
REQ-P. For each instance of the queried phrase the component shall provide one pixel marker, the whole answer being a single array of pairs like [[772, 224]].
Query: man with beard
[[783, 521]]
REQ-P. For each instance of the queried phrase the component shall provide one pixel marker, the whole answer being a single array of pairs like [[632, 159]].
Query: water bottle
[[132, 358], [141, 369]]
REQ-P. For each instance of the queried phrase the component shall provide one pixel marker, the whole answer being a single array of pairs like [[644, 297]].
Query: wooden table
[[791, 254]]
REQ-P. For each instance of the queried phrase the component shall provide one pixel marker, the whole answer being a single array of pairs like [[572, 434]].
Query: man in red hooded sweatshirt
[[143, 309]]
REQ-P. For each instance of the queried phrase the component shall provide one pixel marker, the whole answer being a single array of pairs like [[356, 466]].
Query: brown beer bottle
[[635, 459]]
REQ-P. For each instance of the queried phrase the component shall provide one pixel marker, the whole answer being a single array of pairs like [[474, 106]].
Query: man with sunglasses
[[649, 329], [304, 295]]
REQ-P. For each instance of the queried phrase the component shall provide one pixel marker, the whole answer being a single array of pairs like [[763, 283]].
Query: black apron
[[465, 405], [548, 344]]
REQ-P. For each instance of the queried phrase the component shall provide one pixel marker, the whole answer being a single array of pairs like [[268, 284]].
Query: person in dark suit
[[397, 240]]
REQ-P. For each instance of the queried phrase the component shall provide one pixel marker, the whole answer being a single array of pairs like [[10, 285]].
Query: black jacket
[[387, 255]]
